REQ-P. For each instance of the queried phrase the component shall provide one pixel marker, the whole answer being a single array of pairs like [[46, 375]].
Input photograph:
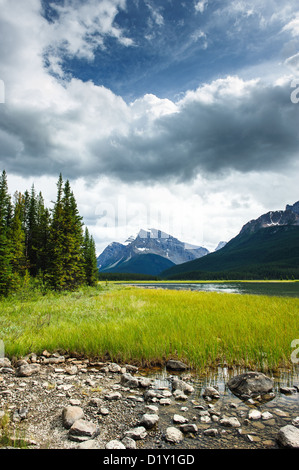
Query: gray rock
[[173, 435], [137, 433], [113, 396], [149, 420], [70, 415], [176, 365], [127, 380], [288, 436], [250, 384], [89, 444], [83, 429]]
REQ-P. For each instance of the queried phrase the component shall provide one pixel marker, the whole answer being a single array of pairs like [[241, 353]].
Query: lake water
[[286, 289]]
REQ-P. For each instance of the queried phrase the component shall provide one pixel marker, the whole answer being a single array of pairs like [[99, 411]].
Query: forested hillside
[[48, 246]]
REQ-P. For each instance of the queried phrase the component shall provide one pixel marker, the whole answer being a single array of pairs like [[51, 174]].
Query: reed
[[148, 326]]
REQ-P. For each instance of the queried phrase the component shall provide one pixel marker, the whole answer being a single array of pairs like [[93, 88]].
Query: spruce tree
[[6, 275], [90, 259], [66, 270], [17, 239]]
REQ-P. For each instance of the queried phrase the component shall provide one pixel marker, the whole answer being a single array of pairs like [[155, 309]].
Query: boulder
[[250, 384], [288, 436]]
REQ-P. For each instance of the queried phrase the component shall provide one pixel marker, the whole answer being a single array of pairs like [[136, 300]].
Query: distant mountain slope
[[269, 244], [143, 264], [147, 242]]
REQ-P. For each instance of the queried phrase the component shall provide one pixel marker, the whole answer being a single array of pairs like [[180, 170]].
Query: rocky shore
[[54, 401]]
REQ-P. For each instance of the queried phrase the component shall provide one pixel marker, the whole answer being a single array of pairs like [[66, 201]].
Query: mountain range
[[266, 247], [149, 252]]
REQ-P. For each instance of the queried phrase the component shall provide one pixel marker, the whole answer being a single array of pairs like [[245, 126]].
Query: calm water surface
[[286, 289]]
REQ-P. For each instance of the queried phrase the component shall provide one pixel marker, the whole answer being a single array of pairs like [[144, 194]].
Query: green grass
[[149, 326]]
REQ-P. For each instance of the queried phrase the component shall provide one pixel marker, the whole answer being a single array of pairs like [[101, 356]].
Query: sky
[[177, 115]]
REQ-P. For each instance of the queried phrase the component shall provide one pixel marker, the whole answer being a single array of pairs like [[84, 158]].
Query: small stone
[[179, 395], [266, 415], [114, 444], [295, 421], [27, 370], [254, 414], [211, 432], [154, 409], [95, 402], [72, 370], [188, 428], [178, 384], [89, 444], [129, 443], [149, 420], [173, 435], [165, 401], [136, 433], [113, 396], [178, 419], [104, 411], [288, 390], [115, 368], [230, 422]]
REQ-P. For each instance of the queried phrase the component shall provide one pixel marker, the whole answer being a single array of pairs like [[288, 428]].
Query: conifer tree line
[[48, 245]]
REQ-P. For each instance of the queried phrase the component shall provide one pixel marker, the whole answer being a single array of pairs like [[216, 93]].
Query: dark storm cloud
[[255, 132]]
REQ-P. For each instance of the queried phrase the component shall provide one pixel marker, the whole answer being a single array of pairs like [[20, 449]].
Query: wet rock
[[180, 395], [83, 430], [231, 422], [266, 415], [115, 444], [211, 392], [288, 390], [149, 420], [184, 387], [250, 384], [173, 435], [70, 415], [288, 436], [254, 414], [295, 421], [185, 428]]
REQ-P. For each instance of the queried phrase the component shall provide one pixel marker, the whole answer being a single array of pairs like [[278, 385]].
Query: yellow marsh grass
[[151, 325]]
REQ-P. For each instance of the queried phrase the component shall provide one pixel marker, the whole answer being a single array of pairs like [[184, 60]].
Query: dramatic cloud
[[188, 145]]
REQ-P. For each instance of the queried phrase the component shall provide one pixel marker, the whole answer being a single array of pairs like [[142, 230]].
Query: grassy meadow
[[149, 326]]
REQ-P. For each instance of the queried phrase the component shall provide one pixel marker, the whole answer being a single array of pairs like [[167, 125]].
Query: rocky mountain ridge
[[150, 241], [289, 216]]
